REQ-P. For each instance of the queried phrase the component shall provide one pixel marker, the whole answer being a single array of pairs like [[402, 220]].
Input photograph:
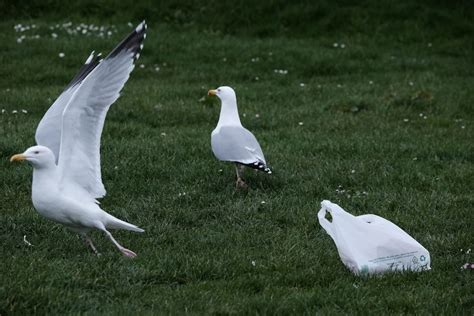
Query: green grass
[[196, 254]]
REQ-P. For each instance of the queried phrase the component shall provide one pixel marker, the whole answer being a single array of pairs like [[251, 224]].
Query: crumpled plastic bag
[[370, 244]]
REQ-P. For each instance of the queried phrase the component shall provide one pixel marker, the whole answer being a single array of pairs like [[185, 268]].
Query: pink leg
[[240, 183], [126, 252], [90, 243]]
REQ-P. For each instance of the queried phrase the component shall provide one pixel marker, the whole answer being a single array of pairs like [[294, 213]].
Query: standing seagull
[[231, 141], [66, 163]]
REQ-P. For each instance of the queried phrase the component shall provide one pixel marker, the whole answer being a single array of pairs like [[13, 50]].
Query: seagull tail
[[115, 223]]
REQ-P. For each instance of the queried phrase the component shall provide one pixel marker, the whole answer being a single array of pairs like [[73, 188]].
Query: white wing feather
[[84, 115], [48, 132]]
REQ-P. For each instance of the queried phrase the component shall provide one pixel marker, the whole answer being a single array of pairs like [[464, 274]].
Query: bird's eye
[[218, 90], [36, 152]]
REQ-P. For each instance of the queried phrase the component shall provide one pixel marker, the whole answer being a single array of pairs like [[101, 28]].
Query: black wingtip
[[90, 64], [259, 165], [133, 43]]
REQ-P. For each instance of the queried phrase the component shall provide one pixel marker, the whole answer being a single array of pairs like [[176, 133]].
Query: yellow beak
[[18, 157], [211, 92]]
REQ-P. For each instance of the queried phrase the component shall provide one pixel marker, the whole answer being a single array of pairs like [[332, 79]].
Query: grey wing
[[48, 132], [237, 144], [84, 116]]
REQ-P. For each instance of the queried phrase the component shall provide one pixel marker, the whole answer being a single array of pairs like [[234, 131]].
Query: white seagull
[[66, 163], [231, 141]]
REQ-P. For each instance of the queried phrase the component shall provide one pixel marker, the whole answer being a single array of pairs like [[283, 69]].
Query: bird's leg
[[126, 252], [90, 243], [240, 184]]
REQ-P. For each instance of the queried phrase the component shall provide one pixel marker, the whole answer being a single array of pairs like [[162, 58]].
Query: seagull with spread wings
[[66, 162], [231, 141]]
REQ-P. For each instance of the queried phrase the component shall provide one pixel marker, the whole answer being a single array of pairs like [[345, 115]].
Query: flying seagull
[[231, 141], [66, 162]]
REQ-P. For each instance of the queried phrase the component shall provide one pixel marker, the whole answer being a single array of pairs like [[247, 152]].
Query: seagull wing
[[48, 132], [84, 115], [237, 144]]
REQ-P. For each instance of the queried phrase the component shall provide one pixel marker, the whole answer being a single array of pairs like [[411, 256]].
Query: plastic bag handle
[[327, 225]]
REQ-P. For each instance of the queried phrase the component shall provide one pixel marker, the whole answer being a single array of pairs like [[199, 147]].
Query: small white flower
[[220, 170], [24, 111], [157, 68], [263, 202], [425, 117], [353, 171], [335, 45], [109, 33], [163, 134], [406, 120], [244, 115], [257, 78], [411, 83], [339, 86], [116, 167], [19, 40], [224, 59], [142, 66], [420, 115], [468, 251], [280, 71], [371, 82], [130, 24], [463, 127], [302, 84], [54, 35], [257, 115], [61, 55], [300, 123], [84, 31], [3, 111], [253, 263], [415, 158], [343, 46], [14, 112]]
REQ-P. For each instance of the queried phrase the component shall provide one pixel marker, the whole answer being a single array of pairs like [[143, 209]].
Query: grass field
[[387, 116]]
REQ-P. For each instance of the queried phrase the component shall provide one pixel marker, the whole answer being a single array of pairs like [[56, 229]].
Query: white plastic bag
[[370, 244]]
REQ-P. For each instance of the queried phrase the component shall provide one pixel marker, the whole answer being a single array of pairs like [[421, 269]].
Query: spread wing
[[237, 144], [84, 115], [48, 132]]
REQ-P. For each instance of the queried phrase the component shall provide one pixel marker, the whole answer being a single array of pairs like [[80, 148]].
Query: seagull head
[[224, 93], [38, 156]]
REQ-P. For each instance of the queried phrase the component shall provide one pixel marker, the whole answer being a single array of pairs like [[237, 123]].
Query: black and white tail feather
[[258, 165]]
